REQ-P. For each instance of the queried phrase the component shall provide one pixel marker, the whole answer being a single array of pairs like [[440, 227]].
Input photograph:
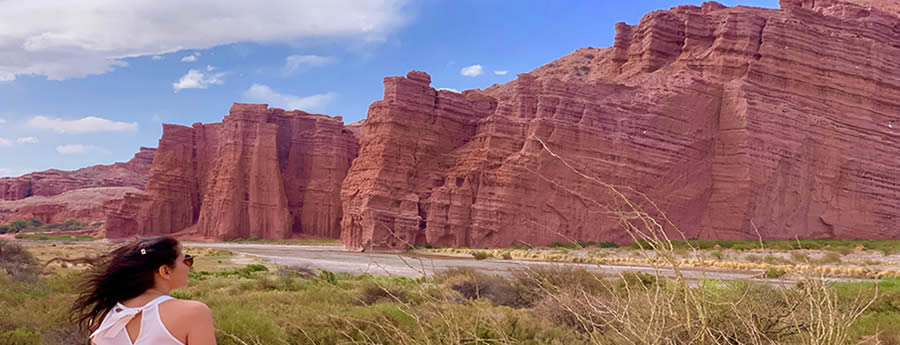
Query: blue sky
[[95, 82]]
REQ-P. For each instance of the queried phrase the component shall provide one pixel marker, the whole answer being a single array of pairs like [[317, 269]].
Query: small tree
[[19, 225]]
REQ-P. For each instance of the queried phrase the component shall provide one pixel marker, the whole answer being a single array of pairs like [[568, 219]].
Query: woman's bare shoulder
[[187, 308]]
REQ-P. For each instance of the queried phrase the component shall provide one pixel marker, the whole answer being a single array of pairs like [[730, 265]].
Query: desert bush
[[774, 272], [17, 262], [481, 255], [473, 285], [537, 282], [830, 258]]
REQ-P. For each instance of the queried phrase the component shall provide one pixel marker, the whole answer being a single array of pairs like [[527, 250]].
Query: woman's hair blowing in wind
[[124, 273]]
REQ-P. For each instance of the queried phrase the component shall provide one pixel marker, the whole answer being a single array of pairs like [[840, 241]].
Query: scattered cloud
[[90, 37], [88, 124], [449, 89], [156, 58], [296, 63], [189, 58], [264, 94], [195, 79], [471, 71], [2, 121], [209, 68], [5, 142], [27, 140], [501, 72], [7, 172], [72, 148]]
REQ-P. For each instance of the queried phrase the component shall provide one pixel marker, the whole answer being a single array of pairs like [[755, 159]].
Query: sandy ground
[[336, 259]]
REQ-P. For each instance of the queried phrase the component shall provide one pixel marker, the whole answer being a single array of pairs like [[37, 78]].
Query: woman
[[125, 300]]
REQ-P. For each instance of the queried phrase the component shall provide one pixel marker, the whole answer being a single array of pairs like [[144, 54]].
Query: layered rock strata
[[53, 182], [85, 204], [264, 173], [737, 123]]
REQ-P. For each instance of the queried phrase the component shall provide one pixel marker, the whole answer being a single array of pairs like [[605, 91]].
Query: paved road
[[336, 259]]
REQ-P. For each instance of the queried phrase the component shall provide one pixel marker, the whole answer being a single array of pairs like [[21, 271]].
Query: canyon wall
[[263, 173], [737, 123]]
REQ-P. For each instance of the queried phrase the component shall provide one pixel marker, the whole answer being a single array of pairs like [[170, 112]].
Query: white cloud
[[471, 71], [501, 72], [67, 39], [5, 142], [295, 63], [2, 121], [7, 172], [156, 58], [209, 68], [189, 58], [85, 125], [27, 140], [72, 148], [449, 89], [264, 94], [195, 79]]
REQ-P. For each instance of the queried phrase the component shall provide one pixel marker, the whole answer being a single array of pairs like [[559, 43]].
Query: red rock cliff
[[733, 120], [265, 173], [52, 182]]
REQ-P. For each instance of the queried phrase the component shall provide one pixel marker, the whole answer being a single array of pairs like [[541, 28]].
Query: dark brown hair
[[124, 273]]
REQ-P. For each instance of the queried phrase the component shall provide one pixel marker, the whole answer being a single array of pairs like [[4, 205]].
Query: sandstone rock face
[[85, 204], [53, 182], [738, 123], [265, 173]]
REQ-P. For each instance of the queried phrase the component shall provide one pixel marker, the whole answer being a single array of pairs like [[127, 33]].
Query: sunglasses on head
[[189, 260]]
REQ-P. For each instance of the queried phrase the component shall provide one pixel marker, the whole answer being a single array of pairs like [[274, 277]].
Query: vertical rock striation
[[737, 122], [264, 173]]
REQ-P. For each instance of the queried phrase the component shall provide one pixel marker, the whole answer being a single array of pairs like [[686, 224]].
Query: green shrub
[[21, 336], [328, 277], [507, 256], [4, 229], [248, 324], [774, 272], [181, 295], [638, 279], [19, 225], [73, 224], [568, 245], [481, 255], [717, 255]]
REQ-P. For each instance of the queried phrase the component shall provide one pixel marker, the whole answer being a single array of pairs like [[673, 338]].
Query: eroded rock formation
[[265, 173], [737, 122], [85, 204], [53, 182]]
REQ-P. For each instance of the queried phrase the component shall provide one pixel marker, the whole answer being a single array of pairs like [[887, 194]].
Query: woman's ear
[[165, 272]]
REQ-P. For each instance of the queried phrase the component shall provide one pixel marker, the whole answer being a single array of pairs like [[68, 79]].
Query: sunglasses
[[189, 260]]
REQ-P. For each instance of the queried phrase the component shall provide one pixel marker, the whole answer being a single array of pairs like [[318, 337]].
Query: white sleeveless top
[[112, 330]]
